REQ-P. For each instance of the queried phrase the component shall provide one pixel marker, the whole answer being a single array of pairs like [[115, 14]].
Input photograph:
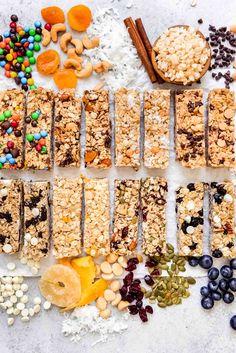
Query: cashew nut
[[58, 27], [46, 37], [72, 63], [102, 66], [78, 45], [85, 72], [90, 43], [64, 41]]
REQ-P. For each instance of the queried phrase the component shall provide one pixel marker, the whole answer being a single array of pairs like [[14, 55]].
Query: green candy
[[29, 53], [37, 38], [1, 51], [37, 47], [32, 32], [44, 150], [32, 60], [1, 165], [11, 44], [29, 137], [2, 117], [7, 114], [35, 116], [28, 69], [32, 87], [20, 59]]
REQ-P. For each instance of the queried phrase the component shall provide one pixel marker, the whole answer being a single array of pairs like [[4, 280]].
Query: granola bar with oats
[[98, 129], [67, 205], [67, 128], [125, 222], [97, 217], [153, 207], [190, 221], [221, 111], [10, 215], [189, 128], [36, 220], [221, 218], [156, 123], [39, 129], [127, 128], [12, 115]]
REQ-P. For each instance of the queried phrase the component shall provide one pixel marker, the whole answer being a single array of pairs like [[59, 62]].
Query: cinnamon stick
[[146, 42], [137, 41]]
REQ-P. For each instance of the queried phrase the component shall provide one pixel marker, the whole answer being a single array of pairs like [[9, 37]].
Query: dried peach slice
[[79, 18], [60, 285], [53, 15], [48, 62], [65, 78], [64, 261], [86, 269]]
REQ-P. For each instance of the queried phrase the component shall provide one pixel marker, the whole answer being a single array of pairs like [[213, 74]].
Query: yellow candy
[[30, 81], [13, 74], [14, 62], [23, 67], [11, 51], [9, 57], [22, 33]]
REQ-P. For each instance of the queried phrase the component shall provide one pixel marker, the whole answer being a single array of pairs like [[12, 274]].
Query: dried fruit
[[48, 62], [90, 156], [65, 261], [60, 285], [79, 18], [53, 15], [86, 269], [65, 78]]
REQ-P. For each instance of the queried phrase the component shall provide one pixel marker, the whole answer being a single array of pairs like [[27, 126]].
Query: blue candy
[[9, 131], [6, 34], [23, 81], [8, 156], [24, 40], [2, 63], [21, 74], [3, 160], [31, 39], [26, 29], [37, 24], [43, 133], [31, 46], [12, 161], [37, 136]]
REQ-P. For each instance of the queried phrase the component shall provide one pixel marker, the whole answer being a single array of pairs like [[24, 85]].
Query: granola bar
[[153, 206], [221, 113], [127, 130], [67, 128], [36, 220], [222, 219], [189, 209], [98, 129], [10, 215], [125, 222], [67, 199], [12, 114], [38, 129], [97, 217], [156, 122], [189, 128]]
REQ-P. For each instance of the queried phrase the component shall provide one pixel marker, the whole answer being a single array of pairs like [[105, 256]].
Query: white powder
[[116, 47], [85, 320]]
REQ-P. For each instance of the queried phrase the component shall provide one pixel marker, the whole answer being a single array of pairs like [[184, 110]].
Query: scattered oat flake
[[194, 3]]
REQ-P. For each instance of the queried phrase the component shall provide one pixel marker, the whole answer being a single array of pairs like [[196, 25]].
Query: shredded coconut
[[116, 47], [87, 320]]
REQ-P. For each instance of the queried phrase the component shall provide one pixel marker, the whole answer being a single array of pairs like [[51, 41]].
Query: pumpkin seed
[[191, 280], [162, 305]]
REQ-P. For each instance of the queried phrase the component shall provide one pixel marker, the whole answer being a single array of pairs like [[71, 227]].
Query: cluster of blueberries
[[217, 289]]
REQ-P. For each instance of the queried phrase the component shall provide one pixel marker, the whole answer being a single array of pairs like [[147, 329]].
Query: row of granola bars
[[27, 127], [25, 217]]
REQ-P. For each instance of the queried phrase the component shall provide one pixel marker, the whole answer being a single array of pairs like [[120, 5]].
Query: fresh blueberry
[[207, 303], [223, 284], [216, 295], [226, 271], [193, 261], [232, 284], [233, 265], [205, 261], [228, 297], [233, 322], [213, 286], [205, 292], [213, 273]]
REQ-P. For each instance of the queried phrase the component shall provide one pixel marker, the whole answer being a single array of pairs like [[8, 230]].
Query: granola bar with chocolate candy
[[127, 128], [189, 128], [67, 128], [98, 129], [36, 220], [125, 223], [156, 123], [221, 141], [12, 115], [10, 215], [153, 206], [189, 210], [67, 204], [38, 129], [222, 219], [97, 217]]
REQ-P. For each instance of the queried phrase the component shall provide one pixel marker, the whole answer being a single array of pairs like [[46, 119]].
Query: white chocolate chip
[[19, 293], [27, 237], [228, 198], [24, 287], [190, 205], [37, 301], [25, 319], [34, 241], [7, 248], [35, 212], [188, 219], [3, 192], [47, 305], [10, 321], [190, 230], [11, 266], [25, 312], [20, 306], [216, 219], [37, 308]]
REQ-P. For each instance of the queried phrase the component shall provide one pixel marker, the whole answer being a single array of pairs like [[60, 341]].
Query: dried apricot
[[65, 78], [79, 18], [53, 15], [48, 62]]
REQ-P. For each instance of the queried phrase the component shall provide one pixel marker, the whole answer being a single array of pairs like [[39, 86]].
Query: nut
[[109, 295], [115, 285], [85, 72], [106, 267], [101, 303], [105, 314], [102, 66], [59, 27], [46, 37], [72, 63], [64, 41], [78, 45], [111, 258], [108, 277], [117, 269], [123, 305], [117, 300], [90, 43], [122, 261]]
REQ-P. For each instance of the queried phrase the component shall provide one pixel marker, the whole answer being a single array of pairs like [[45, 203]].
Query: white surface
[[183, 328]]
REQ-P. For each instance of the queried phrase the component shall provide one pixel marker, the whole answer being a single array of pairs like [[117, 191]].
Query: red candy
[[14, 124], [48, 27], [10, 144], [13, 24], [38, 148], [7, 74], [26, 44], [7, 47], [7, 67]]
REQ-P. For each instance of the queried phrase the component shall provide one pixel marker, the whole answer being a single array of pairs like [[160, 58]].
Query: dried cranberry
[[140, 295], [151, 263], [128, 279], [133, 261], [139, 304], [133, 310], [148, 279], [131, 268], [143, 315], [155, 273], [136, 281], [130, 298], [149, 309], [123, 290]]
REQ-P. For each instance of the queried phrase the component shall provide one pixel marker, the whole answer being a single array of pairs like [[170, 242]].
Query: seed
[[152, 301], [162, 305], [191, 280], [170, 247], [148, 294], [182, 268], [163, 267]]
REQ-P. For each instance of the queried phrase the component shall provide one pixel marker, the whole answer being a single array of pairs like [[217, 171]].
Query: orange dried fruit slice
[[86, 269], [65, 78], [90, 156], [60, 285], [64, 261], [48, 62], [79, 18], [53, 15]]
